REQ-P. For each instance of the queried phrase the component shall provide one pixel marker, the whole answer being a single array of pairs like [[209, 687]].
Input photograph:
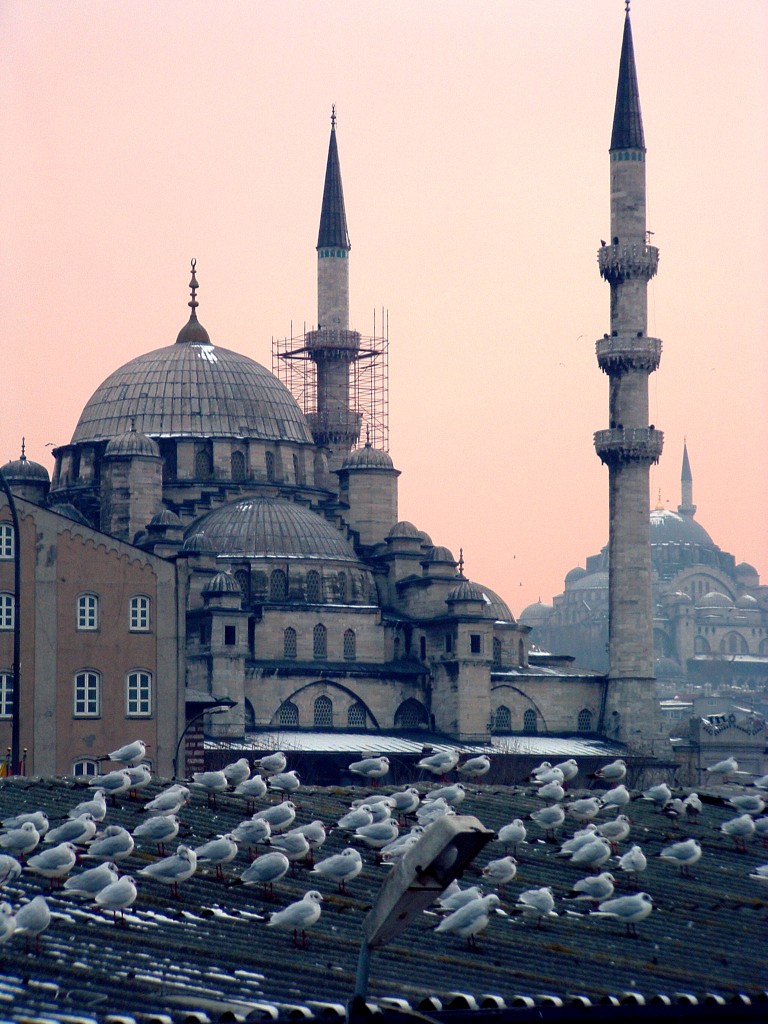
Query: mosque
[[215, 544]]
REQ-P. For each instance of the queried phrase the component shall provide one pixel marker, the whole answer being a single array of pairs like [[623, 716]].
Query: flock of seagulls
[[82, 855]]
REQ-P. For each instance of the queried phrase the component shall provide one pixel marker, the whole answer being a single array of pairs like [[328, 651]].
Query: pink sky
[[473, 140]]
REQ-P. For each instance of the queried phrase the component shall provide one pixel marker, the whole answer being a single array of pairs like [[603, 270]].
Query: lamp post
[[16, 670], [225, 704]]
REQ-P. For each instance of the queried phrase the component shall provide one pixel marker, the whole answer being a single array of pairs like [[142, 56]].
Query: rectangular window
[[7, 547], [7, 617], [87, 611], [139, 694], [230, 636], [448, 643], [87, 695], [6, 694], [475, 643], [139, 617]]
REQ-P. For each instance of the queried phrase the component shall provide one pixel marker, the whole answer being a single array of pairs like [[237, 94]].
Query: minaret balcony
[[629, 444], [332, 343], [619, 355], [336, 427], [622, 262]]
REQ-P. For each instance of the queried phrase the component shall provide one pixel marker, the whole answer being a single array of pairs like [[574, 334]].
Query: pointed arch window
[[314, 587], [496, 652], [342, 587], [411, 714], [203, 464], [278, 585], [356, 716], [319, 641], [530, 724], [269, 465], [289, 643], [350, 645], [502, 719], [237, 463], [288, 715], [323, 709]]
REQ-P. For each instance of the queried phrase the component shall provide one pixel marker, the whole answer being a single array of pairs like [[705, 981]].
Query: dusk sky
[[473, 139]]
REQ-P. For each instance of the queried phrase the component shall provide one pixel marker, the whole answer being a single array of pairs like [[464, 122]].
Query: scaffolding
[[293, 365]]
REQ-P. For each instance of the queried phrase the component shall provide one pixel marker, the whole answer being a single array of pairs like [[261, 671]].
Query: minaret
[[333, 347], [686, 506], [630, 445]]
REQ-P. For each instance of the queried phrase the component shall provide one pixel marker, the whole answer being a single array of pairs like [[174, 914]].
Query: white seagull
[[592, 855], [683, 854], [659, 795], [468, 921], [20, 841], [512, 834], [285, 782], [168, 801], [174, 869], [740, 830], [594, 887], [117, 896], [238, 771], [96, 806], [160, 829], [253, 789], [633, 862], [279, 816], [475, 767], [115, 843], [54, 863], [617, 797], [724, 768], [74, 830], [455, 897], [499, 872], [218, 852], [211, 783], [549, 819], [38, 818], [32, 919], [439, 763], [452, 794], [585, 808], [373, 768], [299, 916], [537, 903], [747, 803], [341, 867], [7, 922], [113, 783], [628, 909], [271, 764], [130, 754], [92, 880], [613, 772], [10, 869], [266, 871]]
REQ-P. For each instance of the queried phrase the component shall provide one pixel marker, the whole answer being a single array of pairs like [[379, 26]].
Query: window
[[585, 720], [356, 716], [243, 580], [529, 721], [87, 611], [230, 636], [502, 719], [238, 466], [85, 767], [448, 643], [289, 643], [323, 713], [314, 587], [87, 695], [319, 641], [139, 694], [520, 653], [7, 546], [423, 648], [342, 585], [269, 464], [350, 645], [475, 643], [496, 652], [203, 633], [139, 614], [411, 714], [288, 715], [6, 694], [278, 586], [203, 464], [7, 616]]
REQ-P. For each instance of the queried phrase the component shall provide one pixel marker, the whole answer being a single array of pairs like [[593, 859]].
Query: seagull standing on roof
[[512, 835], [266, 871], [117, 897], [169, 801], [475, 767], [585, 808], [20, 841], [615, 831], [279, 816], [96, 806], [723, 769], [238, 771], [174, 869], [218, 851], [38, 818], [341, 867], [253, 789], [633, 862], [299, 916], [211, 783], [272, 764], [141, 776], [31, 921], [739, 829], [537, 903], [617, 797], [452, 794], [549, 819], [613, 772], [683, 854], [594, 887], [7, 922], [285, 783], [659, 795], [10, 869], [114, 783], [74, 830], [499, 872], [468, 921], [54, 863], [627, 909], [373, 768], [115, 843], [92, 880], [129, 755], [440, 763], [748, 803], [160, 829]]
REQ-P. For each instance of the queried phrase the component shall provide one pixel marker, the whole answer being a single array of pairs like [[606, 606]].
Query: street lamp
[[225, 704], [441, 854]]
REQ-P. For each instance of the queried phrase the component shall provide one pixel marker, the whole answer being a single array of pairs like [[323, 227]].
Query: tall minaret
[[333, 347], [686, 506], [630, 445]]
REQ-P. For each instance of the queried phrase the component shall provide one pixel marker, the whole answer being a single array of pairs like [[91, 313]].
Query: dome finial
[[193, 331], [193, 286], [333, 117], [626, 6], [23, 456], [461, 561]]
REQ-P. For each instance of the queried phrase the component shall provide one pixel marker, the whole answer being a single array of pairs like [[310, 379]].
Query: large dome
[[671, 528], [192, 389], [271, 527]]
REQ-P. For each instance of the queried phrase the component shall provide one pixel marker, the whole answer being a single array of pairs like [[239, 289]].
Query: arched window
[[85, 767], [7, 546], [87, 703], [138, 694], [237, 463], [203, 464], [529, 721], [6, 694], [278, 585], [7, 609], [289, 642], [319, 641], [314, 587], [356, 716], [342, 586], [243, 580], [585, 720], [288, 715], [734, 643], [411, 714], [700, 645], [350, 644], [139, 614], [496, 652], [269, 465], [502, 719], [87, 611], [323, 713]]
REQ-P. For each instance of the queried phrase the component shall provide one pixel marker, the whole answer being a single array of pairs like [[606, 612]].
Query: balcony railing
[[619, 262], [635, 444]]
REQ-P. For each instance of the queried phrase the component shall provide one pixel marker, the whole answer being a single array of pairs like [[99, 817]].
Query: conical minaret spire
[[630, 444], [686, 506]]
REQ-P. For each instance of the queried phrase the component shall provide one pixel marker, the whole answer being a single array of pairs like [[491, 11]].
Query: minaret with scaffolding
[[337, 375], [630, 710]]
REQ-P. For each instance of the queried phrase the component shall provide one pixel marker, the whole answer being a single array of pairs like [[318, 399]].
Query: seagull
[[748, 803], [74, 830], [168, 801], [341, 867], [618, 797], [141, 776], [684, 854], [10, 869], [475, 767], [512, 835], [355, 818], [633, 862], [31, 921], [160, 829], [552, 791], [218, 851], [38, 818], [285, 782], [252, 789], [393, 853], [761, 783], [279, 816], [117, 896], [452, 794], [725, 768], [581, 838], [54, 863], [92, 881], [7, 922], [613, 772], [585, 808], [499, 872], [114, 783], [251, 833], [96, 807], [266, 871], [115, 843], [298, 916], [293, 844], [433, 809], [20, 841], [405, 801], [569, 768], [761, 829], [549, 819], [629, 909], [739, 829], [129, 755], [314, 833], [659, 795], [537, 903], [378, 834], [272, 764], [594, 887], [592, 855], [212, 783], [439, 763], [541, 778], [468, 921], [454, 897], [373, 768], [693, 807], [174, 869], [615, 831], [238, 771], [760, 874]]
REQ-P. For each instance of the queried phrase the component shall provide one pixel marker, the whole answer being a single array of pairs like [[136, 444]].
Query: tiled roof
[[210, 952]]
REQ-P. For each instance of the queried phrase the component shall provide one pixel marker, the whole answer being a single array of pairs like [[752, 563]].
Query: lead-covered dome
[[669, 527], [272, 527]]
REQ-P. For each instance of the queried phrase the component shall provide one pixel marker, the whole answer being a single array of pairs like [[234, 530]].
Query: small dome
[[22, 470], [535, 614], [130, 444], [165, 517], [494, 607], [199, 544], [440, 554], [678, 597], [465, 591], [405, 530], [714, 599], [426, 540], [64, 508], [746, 601], [367, 458], [747, 573], [575, 574], [222, 583], [591, 581]]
